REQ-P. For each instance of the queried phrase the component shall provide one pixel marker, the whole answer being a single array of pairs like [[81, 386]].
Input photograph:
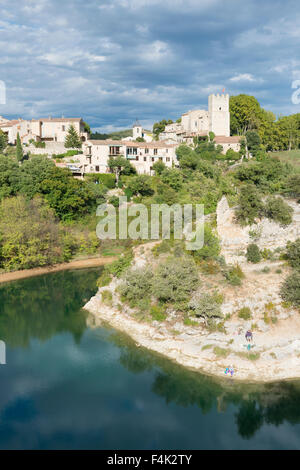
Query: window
[[132, 151], [114, 150], [63, 128], [145, 159], [167, 159], [146, 150], [153, 159], [97, 168], [155, 151]]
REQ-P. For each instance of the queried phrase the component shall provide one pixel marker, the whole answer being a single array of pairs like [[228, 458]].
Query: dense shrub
[[234, 275], [159, 167], [29, 234], [108, 180], [253, 253], [136, 285], [114, 200], [211, 246], [163, 247], [118, 267], [158, 312], [293, 253], [175, 279], [172, 178], [245, 313], [250, 205], [206, 305], [140, 184], [268, 175], [290, 290], [292, 186], [278, 210]]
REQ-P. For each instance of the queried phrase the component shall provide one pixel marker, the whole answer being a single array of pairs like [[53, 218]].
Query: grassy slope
[[292, 157]]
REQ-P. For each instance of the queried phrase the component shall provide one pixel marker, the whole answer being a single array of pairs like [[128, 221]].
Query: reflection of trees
[[132, 358], [256, 404], [42, 306], [249, 419]]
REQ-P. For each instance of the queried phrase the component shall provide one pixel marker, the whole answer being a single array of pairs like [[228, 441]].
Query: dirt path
[[79, 264]]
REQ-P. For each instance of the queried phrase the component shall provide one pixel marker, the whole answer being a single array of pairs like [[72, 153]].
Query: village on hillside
[[48, 137]]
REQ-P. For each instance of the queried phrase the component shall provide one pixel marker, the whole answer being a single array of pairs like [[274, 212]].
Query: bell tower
[[219, 115], [137, 130]]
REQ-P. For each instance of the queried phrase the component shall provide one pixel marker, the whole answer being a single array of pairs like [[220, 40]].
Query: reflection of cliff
[[256, 404], [40, 307]]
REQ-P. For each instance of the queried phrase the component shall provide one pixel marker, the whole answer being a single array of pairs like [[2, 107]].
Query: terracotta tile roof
[[9, 123], [57, 120], [119, 143], [222, 139]]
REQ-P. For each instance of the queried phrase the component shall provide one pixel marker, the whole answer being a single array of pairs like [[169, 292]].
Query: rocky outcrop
[[266, 233]]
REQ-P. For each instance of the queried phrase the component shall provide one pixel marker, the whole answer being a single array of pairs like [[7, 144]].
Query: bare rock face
[[269, 234]]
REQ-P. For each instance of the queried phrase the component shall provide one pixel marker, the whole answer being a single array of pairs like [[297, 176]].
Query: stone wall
[[51, 148]]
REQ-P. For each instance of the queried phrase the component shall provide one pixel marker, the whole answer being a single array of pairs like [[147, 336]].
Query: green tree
[[141, 184], [72, 138], [9, 177], [19, 150], [159, 167], [117, 165], [245, 114], [69, 197], [293, 253], [172, 178], [290, 290], [29, 234], [3, 141], [87, 128], [160, 126], [206, 305], [277, 209], [253, 142], [250, 205]]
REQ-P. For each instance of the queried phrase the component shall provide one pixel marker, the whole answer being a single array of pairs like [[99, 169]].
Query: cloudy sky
[[112, 61]]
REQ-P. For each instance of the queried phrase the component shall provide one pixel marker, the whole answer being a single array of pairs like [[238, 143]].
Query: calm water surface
[[66, 386]]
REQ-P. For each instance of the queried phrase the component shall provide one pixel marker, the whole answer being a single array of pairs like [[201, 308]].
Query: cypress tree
[[19, 152]]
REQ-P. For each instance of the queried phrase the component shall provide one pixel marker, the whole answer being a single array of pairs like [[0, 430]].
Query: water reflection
[[43, 306], [67, 386], [257, 404]]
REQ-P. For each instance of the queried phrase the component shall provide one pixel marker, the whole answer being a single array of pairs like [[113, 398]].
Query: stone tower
[[137, 130], [219, 115]]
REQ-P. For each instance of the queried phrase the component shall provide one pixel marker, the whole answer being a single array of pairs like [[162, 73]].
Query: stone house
[[142, 155], [42, 130]]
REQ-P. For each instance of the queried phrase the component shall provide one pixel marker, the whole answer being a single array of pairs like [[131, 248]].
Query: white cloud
[[243, 77], [156, 51]]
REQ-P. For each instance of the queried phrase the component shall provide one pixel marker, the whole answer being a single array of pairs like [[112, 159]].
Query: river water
[[66, 386]]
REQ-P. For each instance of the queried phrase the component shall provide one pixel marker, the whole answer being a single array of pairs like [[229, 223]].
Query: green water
[[66, 386]]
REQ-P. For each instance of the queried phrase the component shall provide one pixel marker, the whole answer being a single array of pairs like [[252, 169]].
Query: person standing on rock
[[249, 336]]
